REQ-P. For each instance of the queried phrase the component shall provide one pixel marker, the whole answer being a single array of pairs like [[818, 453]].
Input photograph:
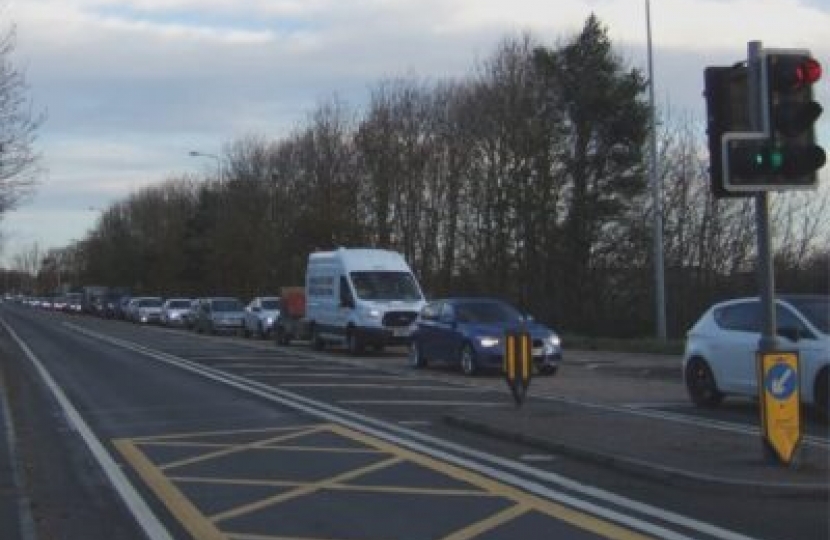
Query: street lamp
[[195, 153], [659, 271]]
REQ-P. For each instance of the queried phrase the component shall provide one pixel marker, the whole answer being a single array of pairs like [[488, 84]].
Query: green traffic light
[[776, 159], [759, 159]]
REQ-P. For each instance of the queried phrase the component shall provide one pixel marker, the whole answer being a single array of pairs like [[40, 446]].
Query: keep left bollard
[[518, 364]]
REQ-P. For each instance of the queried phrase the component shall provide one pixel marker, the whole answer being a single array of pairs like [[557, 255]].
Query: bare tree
[[18, 128]]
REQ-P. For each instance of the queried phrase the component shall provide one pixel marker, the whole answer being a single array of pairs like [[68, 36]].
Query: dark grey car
[[219, 315]]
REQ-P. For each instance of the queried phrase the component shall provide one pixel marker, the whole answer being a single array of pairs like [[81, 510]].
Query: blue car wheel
[[469, 364], [416, 357]]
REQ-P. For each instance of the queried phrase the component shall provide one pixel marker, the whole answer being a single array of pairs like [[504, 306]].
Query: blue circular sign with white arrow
[[781, 381]]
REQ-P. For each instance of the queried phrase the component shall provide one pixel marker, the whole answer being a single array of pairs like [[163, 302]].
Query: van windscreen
[[384, 285]]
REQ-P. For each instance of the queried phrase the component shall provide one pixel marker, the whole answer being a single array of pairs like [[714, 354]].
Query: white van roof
[[362, 259]]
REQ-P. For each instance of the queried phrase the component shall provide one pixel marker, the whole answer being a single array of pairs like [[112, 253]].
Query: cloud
[[132, 85]]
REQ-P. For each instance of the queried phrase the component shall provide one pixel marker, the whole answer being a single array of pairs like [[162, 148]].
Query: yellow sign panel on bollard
[[518, 364], [780, 402]]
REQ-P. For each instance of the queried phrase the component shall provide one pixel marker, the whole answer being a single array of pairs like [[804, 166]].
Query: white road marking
[[419, 403], [415, 423], [326, 375], [279, 368], [149, 523], [537, 457], [382, 386]]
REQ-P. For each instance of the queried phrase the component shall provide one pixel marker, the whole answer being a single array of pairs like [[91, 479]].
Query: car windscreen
[[487, 312], [815, 310], [149, 302], [179, 304], [385, 285], [227, 305], [270, 304]]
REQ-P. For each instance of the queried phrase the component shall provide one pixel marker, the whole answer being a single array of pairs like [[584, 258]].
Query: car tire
[[701, 384], [353, 343], [548, 371], [416, 357], [282, 336], [317, 342], [467, 359], [821, 394]]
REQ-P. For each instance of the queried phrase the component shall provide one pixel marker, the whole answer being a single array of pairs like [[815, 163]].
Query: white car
[[174, 311], [720, 357], [145, 309], [260, 316]]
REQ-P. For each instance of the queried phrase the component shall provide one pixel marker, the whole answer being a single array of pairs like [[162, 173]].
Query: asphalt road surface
[[120, 431]]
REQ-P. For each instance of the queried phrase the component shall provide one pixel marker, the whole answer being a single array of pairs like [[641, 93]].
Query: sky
[[130, 87]]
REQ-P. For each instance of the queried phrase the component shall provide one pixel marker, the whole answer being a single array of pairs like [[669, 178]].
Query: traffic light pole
[[766, 274], [761, 136], [780, 425]]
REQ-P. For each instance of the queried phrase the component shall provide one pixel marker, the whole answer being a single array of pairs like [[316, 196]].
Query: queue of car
[[368, 297]]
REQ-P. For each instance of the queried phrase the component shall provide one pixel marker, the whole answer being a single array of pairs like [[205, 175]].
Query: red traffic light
[[808, 72], [793, 72]]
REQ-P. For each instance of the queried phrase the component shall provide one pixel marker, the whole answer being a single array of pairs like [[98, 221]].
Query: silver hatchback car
[[720, 356]]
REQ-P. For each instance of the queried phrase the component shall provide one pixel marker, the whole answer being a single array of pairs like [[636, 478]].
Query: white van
[[360, 297]]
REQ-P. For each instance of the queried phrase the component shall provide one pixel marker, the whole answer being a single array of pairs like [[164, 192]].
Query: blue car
[[470, 332]]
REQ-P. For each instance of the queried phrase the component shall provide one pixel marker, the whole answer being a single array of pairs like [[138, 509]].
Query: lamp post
[[195, 153], [659, 271]]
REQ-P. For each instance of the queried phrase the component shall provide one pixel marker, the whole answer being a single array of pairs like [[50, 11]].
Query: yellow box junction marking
[[209, 527]]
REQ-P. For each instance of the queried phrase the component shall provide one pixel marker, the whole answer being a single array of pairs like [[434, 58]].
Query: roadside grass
[[634, 345]]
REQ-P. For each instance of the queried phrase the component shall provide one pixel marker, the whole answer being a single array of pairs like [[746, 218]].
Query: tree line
[[525, 180]]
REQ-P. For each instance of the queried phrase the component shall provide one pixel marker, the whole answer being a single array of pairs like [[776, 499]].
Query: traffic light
[[727, 111], [787, 78]]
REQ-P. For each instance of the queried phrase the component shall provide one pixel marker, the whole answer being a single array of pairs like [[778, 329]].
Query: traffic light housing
[[777, 150], [790, 115], [727, 110]]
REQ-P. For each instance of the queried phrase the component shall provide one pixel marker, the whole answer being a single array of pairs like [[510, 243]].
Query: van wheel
[[821, 395], [317, 342], [353, 343]]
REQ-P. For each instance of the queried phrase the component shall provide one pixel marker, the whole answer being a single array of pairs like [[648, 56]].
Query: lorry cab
[[361, 297]]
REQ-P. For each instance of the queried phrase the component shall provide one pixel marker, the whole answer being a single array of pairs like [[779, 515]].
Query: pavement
[[653, 446]]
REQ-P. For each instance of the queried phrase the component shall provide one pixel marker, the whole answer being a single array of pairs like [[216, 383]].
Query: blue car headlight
[[488, 342], [552, 344]]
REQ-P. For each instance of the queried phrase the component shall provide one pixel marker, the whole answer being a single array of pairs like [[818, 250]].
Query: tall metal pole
[[659, 270], [766, 275]]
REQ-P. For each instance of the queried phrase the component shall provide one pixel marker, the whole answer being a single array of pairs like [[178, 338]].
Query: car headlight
[[488, 341], [552, 344], [372, 313], [269, 320]]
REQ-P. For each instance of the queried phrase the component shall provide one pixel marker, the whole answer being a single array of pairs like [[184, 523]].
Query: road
[[126, 431]]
